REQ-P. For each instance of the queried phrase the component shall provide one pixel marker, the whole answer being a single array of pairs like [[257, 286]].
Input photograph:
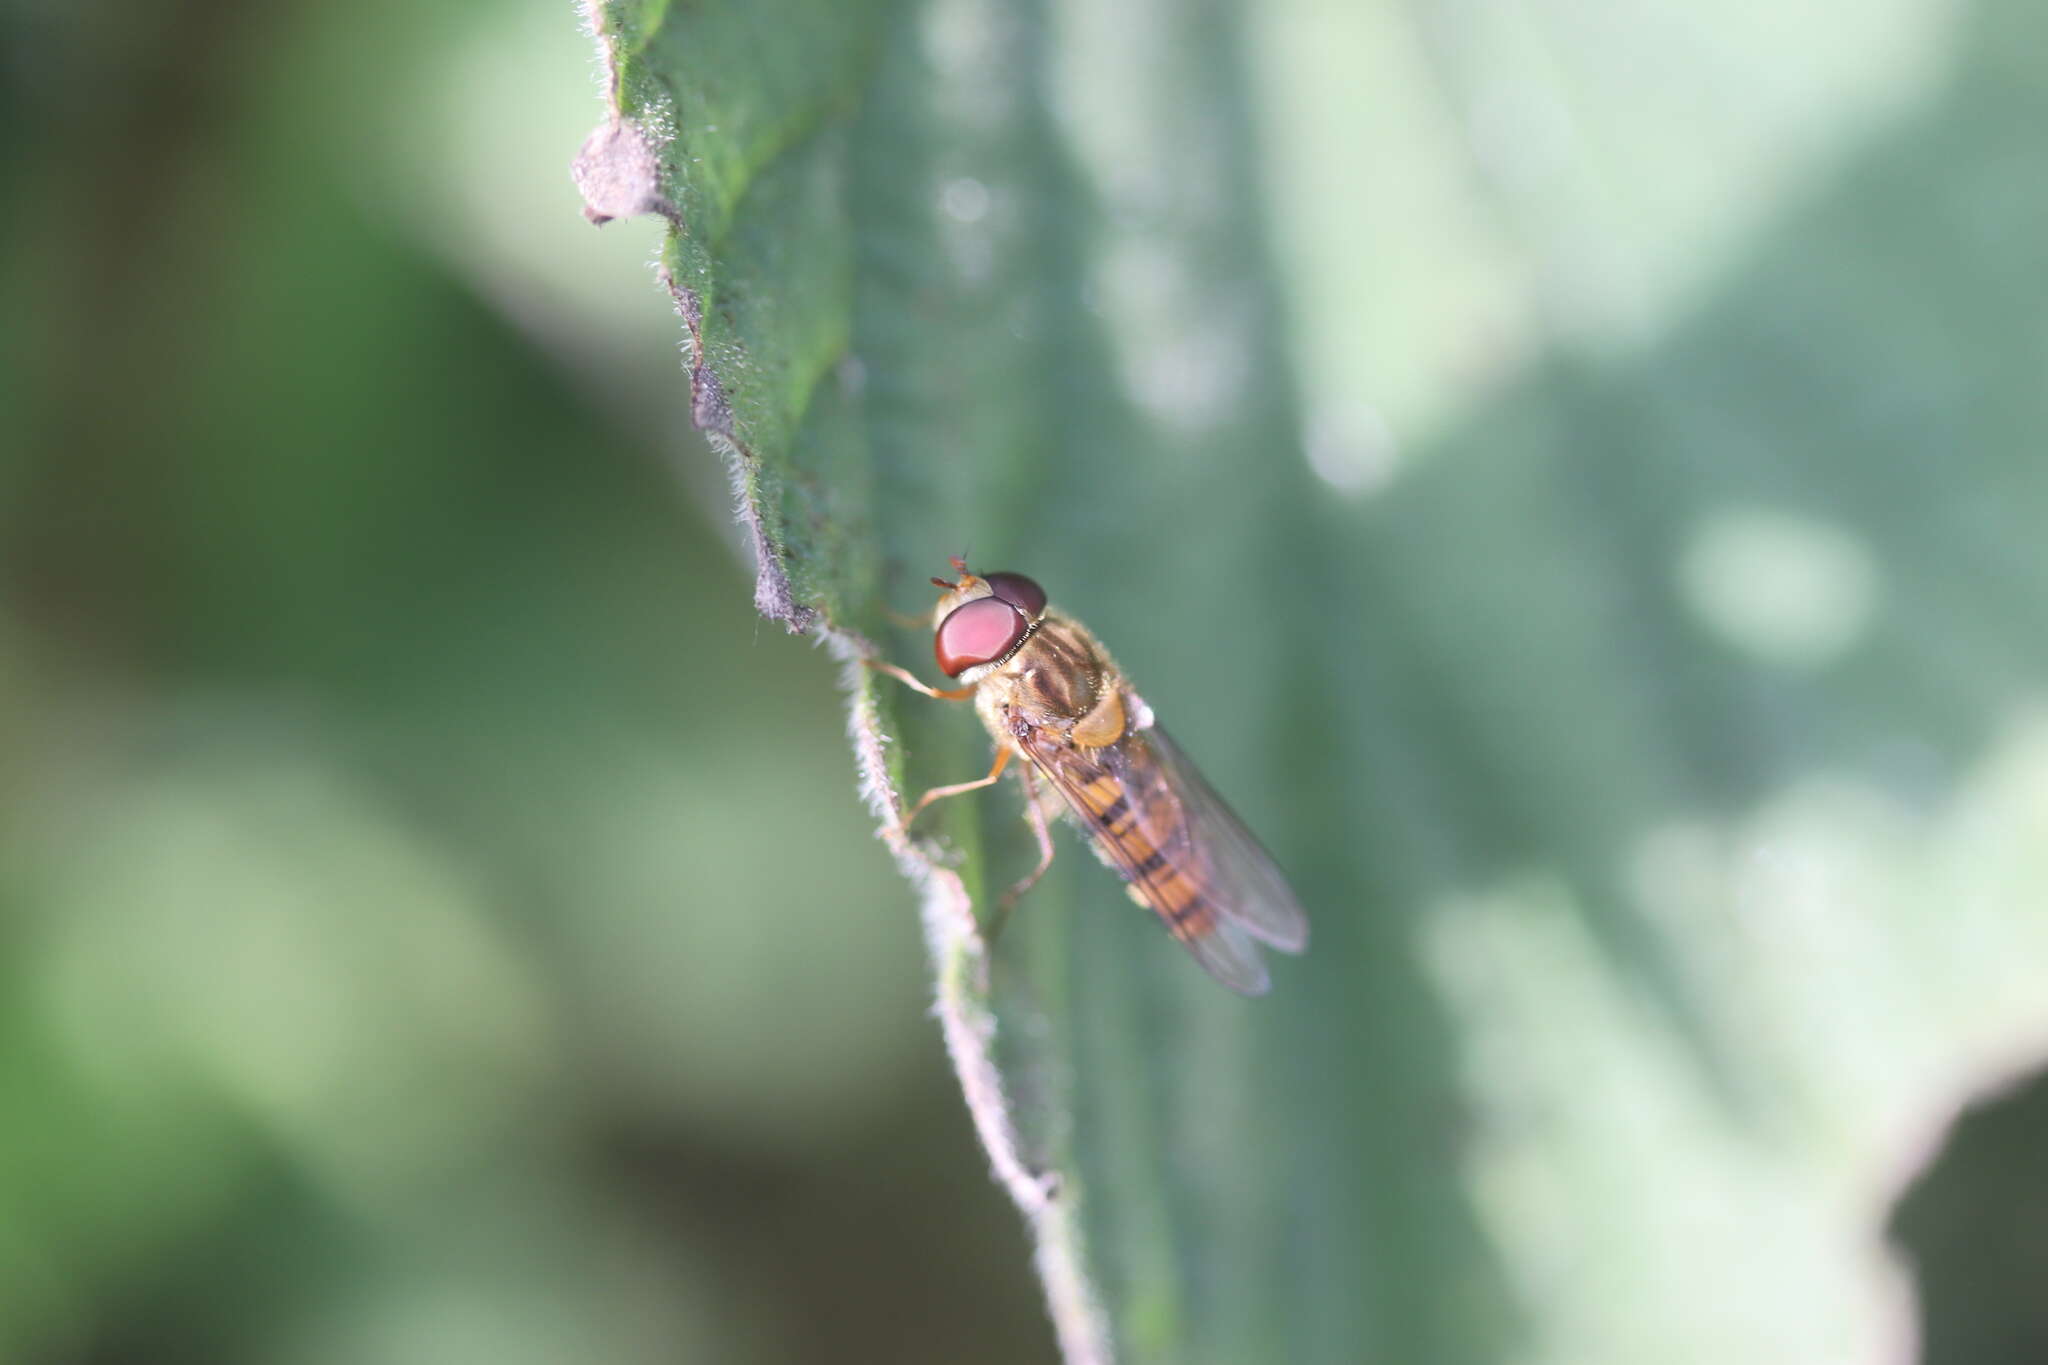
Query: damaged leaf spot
[[619, 175], [708, 408], [711, 413]]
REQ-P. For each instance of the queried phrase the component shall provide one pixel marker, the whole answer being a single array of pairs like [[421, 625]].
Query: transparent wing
[[1238, 875], [1152, 816]]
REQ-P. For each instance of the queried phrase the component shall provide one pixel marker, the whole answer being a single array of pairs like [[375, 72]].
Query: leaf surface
[[1590, 531]]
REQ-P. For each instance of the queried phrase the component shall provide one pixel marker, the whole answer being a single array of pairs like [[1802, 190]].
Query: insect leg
[[908, 620], [911, 681], [1035, 813], [939, 793]]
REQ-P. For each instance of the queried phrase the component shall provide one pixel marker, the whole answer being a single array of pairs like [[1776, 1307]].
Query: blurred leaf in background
[[1572, 476]]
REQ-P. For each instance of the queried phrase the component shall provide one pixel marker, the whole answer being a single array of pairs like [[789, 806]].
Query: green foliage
[[1636, 674], [1571, 475], [436, 928]]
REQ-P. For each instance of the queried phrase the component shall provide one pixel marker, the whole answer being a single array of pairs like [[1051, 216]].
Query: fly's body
[[1050, 694], [1061, 682]]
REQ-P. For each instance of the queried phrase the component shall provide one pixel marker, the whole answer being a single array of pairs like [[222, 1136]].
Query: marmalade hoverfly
[[1049, 693]]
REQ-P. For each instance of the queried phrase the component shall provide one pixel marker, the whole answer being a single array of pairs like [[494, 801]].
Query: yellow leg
[[940, 793], [903, 620], [1008, 902], [911, 681]]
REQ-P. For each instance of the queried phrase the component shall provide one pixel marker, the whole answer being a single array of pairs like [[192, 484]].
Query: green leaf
[[1575, 486]]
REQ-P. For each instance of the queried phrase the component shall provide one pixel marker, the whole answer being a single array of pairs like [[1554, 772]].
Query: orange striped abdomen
[[1136, 824]]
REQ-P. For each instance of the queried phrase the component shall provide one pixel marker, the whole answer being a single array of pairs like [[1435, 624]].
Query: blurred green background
[[438, 922]]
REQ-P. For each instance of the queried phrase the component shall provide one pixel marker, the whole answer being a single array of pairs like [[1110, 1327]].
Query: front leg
[[912, 681]]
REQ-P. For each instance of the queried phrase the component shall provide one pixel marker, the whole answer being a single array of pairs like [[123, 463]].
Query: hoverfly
[[1050, 694]]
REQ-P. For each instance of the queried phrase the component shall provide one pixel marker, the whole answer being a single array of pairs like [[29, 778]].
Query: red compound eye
[[977, 632], [1020, 592]]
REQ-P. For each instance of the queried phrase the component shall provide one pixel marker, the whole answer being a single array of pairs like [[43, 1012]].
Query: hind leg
[[1034, 812]]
